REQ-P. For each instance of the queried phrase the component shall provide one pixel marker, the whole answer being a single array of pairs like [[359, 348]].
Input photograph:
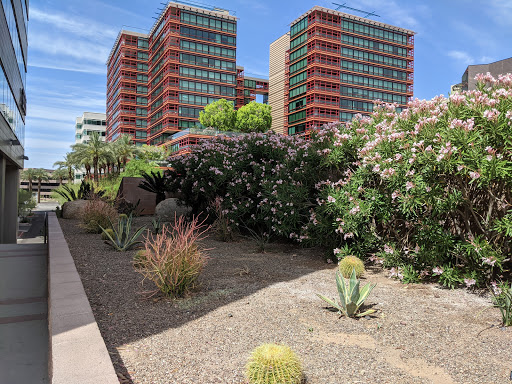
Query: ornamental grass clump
[[97, 214], [349, 263], [274, 364], [173, 259]]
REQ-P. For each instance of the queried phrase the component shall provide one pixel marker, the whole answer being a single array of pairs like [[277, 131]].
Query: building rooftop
[[493, 62], [352, 17], [217, 12], [124, 32]]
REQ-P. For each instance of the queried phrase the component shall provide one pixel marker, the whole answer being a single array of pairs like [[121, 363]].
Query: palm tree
[[30, 175], [60, 174], [91, 153], [68, 163], [124, 150], [41, 175]]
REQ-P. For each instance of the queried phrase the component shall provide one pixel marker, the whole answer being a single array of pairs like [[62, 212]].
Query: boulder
[[73, 209], [166, 209]]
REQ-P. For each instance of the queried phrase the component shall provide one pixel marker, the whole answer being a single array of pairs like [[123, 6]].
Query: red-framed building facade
[[127, 87], [339, 64], [191, 62]]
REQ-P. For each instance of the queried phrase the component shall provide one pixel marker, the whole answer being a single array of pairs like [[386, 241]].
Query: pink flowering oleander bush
[[263, 183], [426, 190]]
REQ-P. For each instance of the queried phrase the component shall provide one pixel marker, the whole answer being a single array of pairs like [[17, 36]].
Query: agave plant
[[121, 238], [351, 298]]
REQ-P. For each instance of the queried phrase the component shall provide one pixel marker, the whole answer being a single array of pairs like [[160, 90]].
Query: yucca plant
[[122, 238], [351, 298], [274, 364]]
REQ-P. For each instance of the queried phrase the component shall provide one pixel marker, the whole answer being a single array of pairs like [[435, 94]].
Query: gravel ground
[[420, 334]]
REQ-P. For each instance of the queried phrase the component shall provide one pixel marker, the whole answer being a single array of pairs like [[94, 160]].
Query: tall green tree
[[29, 174], [123, 150], [152, 153], [254, 117], [219, 114], [41, 175], [60, 174], [69, 163], [92, 152]]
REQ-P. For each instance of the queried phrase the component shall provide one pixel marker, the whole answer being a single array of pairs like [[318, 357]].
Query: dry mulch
[[420, 334]]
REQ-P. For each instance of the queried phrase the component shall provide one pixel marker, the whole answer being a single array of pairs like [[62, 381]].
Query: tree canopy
[[219, 114], [254, 117]]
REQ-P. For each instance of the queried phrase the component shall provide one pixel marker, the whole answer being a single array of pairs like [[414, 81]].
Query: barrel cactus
[[274, 364], [348, 263], [104, 233]]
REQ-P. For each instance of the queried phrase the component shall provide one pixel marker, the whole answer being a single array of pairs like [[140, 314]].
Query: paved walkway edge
[[77, 352]]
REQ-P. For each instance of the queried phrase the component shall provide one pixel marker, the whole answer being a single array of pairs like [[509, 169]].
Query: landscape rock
[[166, 209], [73, 209]]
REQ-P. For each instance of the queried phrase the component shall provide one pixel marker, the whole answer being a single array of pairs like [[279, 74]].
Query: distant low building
[[86, 124], [497, 68], [47, 186]]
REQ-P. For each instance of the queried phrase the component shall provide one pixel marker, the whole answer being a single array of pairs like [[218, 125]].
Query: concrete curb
[[77, 353]]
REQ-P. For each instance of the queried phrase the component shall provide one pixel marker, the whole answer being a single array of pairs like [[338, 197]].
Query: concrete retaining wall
[[78, 353]]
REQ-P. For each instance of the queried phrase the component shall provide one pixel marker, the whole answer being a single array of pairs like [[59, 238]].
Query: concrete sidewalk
[[24, 305], [23, 314]]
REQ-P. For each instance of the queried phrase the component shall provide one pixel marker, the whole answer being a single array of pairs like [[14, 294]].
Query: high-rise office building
[[276, 81], [337, 64], [13, 109], [127, 87], [159, 82], [496, 68]]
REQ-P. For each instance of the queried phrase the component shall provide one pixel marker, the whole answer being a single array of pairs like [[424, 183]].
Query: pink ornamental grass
[[173, 259]]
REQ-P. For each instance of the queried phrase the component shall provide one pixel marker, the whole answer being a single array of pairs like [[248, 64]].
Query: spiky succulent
[[351, 298], [274, 364], [348, 263], [122, 238]]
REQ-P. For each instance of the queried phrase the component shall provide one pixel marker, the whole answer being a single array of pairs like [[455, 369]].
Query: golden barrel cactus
[[274, 364], [348, 263]]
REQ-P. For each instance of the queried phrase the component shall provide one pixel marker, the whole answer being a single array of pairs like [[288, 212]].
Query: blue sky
[[69, 42]]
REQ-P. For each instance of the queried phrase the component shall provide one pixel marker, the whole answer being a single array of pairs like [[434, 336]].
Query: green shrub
[[137, 167], [97, 214], [264, 182], [173, 259], [424, 187], [274, 364], [349, 263], [26, 203]]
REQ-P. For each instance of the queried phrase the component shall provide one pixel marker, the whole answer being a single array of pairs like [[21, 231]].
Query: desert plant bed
[[419, 334]]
